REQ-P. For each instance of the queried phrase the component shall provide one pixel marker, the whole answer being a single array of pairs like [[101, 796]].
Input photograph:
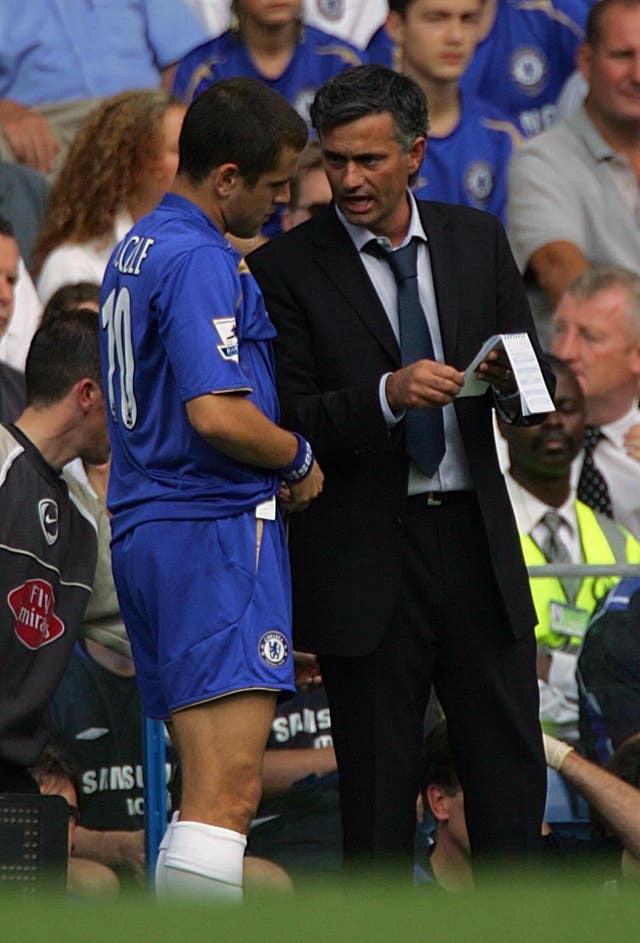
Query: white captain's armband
[[226, 328]]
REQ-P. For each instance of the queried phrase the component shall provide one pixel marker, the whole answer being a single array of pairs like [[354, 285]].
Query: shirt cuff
[[392, 419]]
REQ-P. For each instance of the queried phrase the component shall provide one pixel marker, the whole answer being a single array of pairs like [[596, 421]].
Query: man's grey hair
[[372, 90], [594, 280]]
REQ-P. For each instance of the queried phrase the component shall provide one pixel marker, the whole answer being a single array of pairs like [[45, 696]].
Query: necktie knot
[[592, 435], [553, 522], [403, 262], [556, 550]]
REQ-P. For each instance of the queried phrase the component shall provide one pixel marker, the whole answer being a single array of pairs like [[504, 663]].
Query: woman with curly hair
[[122, 161]]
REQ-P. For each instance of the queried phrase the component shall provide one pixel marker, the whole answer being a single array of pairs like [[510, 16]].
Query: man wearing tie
[[557, 527], [596, 329], [409, 570]]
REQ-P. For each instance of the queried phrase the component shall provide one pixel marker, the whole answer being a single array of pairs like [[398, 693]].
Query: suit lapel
[[445, 276], [336, 254]]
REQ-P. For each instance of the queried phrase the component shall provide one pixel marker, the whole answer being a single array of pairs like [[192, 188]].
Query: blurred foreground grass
[[515, 909]]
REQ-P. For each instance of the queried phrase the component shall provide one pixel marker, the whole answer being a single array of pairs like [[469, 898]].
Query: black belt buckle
[[434, 499]]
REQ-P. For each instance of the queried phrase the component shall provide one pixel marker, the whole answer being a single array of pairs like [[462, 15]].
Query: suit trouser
[[450, 628]]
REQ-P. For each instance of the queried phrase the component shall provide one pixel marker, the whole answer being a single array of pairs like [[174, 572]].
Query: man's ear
[[584, 59], [394, 26], [225, 179], [416, 154], [438, 802], [88, 393], [635, 358]]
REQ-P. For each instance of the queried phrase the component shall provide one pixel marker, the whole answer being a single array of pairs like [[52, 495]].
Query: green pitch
[[513, 911]]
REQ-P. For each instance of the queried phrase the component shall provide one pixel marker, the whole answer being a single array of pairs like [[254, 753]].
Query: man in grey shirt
[[574, 197]]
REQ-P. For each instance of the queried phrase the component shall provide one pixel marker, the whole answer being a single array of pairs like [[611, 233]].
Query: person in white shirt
[[16, 294], [556, 527], [121, 163], [596, 329]]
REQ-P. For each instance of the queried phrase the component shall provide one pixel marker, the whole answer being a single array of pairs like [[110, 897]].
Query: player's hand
[[29, 136], [302, 493], [496, 370], [632, 442], [422, 385], [307, 671]]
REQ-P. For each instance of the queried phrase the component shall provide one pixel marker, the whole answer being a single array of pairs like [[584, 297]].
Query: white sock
[[203, 860], [161, 877]]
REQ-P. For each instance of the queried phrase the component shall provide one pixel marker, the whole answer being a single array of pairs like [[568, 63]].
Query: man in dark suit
[[406, 570]]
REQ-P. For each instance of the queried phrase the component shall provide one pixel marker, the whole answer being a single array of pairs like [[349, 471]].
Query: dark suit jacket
[[334, 343]]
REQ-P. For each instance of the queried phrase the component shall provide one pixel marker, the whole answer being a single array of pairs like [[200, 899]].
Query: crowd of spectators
[[89, 134]]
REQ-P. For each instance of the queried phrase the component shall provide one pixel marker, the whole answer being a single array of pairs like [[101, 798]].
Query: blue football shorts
[[207, 606]]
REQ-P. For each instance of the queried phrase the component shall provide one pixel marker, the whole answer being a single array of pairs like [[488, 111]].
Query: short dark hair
[[372, 90], [63, 350], [6, 228], [401, 6], [240, 121], [593, 30], [70, 297], [56, 762], [437, 767], [625, 762]]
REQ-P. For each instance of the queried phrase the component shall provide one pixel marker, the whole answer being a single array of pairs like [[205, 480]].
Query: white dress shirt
[[453, 473], [620, 470]]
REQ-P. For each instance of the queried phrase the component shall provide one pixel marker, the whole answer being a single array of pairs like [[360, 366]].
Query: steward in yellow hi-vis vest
[[562, 615]]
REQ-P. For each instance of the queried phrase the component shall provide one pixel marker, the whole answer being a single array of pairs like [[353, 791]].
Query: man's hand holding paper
[[496, 370]]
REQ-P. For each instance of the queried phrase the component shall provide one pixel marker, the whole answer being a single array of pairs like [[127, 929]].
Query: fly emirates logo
[[33, 606]]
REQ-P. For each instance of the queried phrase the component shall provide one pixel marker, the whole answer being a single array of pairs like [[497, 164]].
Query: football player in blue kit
[[199, 554], [525, 54], [470, 142], [268, 42]]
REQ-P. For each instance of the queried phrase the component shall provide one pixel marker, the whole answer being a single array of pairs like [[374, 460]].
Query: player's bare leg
[[221, 746]]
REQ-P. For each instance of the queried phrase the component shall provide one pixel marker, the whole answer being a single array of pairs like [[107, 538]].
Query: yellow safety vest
[[603, 541]]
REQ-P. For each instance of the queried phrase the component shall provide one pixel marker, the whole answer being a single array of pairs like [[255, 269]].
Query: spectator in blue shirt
[[270, 43], [59, 59], [470, 142], [525, 53]]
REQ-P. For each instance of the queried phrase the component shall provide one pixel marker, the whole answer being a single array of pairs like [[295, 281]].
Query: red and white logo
[[33, 607]]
